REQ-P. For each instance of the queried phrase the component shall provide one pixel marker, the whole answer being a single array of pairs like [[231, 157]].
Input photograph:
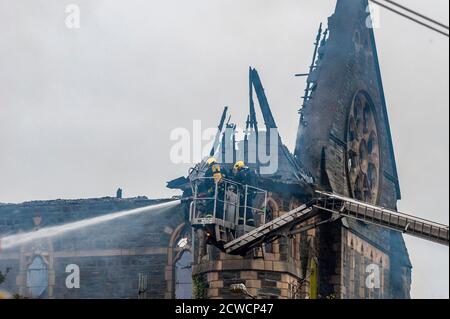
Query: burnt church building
[[344, 146]]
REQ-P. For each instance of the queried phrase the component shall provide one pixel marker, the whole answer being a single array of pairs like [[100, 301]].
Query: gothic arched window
[[37, 277]]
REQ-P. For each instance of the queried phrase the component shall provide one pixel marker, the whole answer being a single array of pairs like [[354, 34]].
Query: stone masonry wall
[[110, 256]]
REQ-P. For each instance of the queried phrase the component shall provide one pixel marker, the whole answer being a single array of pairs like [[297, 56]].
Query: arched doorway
[[183, 276]]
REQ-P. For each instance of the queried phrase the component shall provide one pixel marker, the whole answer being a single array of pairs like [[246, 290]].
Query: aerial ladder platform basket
[[226, 210]]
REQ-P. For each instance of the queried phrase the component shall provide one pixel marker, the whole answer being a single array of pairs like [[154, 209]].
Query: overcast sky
[[84, 111]]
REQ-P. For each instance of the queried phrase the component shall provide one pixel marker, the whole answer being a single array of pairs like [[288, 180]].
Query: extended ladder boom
[[340, 206], [269, 230], [397, 221]]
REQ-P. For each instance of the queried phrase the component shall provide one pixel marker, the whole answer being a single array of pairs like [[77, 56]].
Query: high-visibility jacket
[[216, 173]]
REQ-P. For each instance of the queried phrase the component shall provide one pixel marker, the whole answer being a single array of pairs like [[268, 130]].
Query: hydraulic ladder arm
[[270, 231], [339, 206], [386, 218]]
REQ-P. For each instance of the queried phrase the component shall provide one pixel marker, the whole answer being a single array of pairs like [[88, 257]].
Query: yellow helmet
[[211, 161], [239, 165]]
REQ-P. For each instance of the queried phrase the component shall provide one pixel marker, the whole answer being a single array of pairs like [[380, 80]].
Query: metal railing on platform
[[227, 203]]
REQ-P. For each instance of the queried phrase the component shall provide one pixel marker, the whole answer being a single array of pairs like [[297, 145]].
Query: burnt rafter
[[262, 99], [311, 80]]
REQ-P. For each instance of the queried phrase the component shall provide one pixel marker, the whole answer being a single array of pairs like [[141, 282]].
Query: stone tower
[[343, 146], [344, 141]]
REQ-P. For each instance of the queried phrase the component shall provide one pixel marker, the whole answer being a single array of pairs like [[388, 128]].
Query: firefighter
[[214, 170], [243, 175], [214, 176]]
